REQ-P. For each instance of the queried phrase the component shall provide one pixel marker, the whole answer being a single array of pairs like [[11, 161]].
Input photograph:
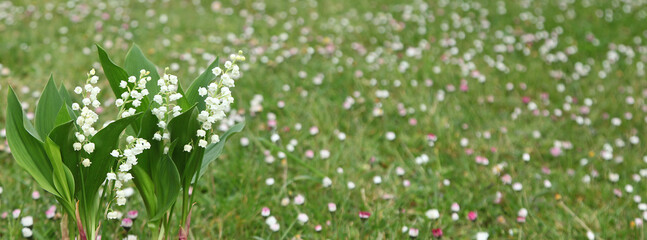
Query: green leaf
[[30, 128], [48, 105], [60, 171], [65, 96], [62, 117], [148, 129], [136, 61], [214, 150], [183, 130], [167, 186], [106, 140], [146, 188], [203, 80], [115, 75], [25, 148], [63, 136], [182, 102]]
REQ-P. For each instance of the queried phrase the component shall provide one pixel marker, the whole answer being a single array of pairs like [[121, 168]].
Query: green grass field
[[562, 81]]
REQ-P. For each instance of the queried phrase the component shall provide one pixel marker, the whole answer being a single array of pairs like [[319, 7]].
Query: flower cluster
[[88, 117], [166, 99], [132, 97], [126, 160], [218, 98]]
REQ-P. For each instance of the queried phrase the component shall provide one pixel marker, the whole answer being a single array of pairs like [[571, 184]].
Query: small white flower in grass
[[324, 154], [455, 217], [547, 184], [303, 218], [88, 147], [432, 214], [75, 106], [482, 236], [78, 90], [269, 181], [341, 136], [522, 213], [590, 235], [299, 199], [455, 207], [1, 190], [332, 207], [413, 232], [399, 171], [377, 179], [243, 141], [405, 229], [327, 182], [350, 185], [187, 148], [275, 137], [265, 212], [35, 195], [285, 201], [86, 162], [27, 221], [390, 136], [517, 186], [275, 227], [16, 213], [270, 220], [27, 233]]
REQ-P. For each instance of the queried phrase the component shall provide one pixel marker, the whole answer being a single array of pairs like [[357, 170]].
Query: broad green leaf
[[192, 165], [147, 131], [48, 106], [63, 136], [201, 81], [61, 182], [136, 61], [214, 150], [146, 188], [62, 116], [115, 75], [183, 131], [182, 102], [25, 148], [65, 96], [167, 186], [30, 128], [106, 140]]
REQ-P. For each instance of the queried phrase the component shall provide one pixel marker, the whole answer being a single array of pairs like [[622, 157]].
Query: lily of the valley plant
[[162, 140]]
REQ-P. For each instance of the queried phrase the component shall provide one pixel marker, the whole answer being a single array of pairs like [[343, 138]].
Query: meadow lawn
[[512, 119]]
